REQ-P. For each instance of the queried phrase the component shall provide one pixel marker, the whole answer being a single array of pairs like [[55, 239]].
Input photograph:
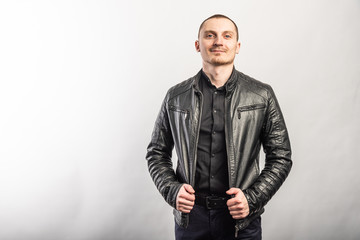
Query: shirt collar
[[226, 86]]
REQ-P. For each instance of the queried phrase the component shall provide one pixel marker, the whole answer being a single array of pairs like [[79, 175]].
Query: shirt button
[[213, 133], [212, 155], [214, 111], [215, 92], [212, 176]]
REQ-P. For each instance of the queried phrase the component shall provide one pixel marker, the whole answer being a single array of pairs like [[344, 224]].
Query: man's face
[[217, 42]]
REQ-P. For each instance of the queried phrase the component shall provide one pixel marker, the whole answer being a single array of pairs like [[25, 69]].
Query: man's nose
[[218, 41]]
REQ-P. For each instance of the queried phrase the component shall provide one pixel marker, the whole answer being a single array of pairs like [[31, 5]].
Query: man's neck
[[218, 75]]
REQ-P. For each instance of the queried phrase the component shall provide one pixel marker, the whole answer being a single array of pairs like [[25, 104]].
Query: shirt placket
[[215, 117]]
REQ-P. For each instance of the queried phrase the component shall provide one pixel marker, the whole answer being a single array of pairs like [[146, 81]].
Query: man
[[217, 121]]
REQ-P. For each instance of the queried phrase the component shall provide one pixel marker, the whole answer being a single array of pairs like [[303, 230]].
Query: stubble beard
[[218, 61], [221, 60]]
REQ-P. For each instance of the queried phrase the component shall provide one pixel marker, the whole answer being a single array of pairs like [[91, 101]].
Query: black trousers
[[215, 224]]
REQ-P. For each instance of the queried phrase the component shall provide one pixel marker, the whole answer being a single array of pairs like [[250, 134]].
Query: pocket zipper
[[249, 108], [175, 109]]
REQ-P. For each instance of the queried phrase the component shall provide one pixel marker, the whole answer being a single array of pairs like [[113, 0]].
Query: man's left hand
[[238, 205]]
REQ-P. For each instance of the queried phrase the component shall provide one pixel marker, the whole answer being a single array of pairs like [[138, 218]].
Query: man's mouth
[[216, 50]]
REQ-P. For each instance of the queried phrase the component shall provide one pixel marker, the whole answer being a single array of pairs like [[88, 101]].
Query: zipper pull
[[236, 230]]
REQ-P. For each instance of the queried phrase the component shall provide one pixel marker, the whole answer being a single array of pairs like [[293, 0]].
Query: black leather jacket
[[252, 117]]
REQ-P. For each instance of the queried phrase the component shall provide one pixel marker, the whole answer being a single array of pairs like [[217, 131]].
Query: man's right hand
[[185, 198]]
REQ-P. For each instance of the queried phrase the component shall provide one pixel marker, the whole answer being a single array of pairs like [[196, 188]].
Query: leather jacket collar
[[229, 85]]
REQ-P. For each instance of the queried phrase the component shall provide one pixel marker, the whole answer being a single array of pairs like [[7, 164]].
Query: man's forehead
[[218, 24]]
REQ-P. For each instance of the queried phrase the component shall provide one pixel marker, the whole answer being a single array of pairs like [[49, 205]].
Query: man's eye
[[209, 35], [227, 36]]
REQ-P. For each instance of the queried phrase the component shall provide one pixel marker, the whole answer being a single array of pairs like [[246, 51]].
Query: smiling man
[[217, 121]]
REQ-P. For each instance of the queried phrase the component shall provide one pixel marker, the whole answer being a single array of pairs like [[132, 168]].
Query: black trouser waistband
[[211, 201]]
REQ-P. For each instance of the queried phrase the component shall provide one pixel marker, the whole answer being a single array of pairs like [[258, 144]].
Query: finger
[[185, 207], [190, 197], [189, 188], [238, 217], [239, 214], [233, 191], [237, 211], [181, 207], [242, 213], [236, 208], [186, 195], [184, 210], [185, 202], [233, 201]]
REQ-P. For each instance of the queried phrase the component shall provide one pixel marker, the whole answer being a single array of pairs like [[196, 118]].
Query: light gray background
[[82, 83]]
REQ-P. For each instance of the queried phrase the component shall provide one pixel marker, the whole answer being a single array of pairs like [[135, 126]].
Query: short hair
[[220, 16]]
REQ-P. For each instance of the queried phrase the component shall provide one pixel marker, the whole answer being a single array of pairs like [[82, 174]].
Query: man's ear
[[238, 47], [197, 45]]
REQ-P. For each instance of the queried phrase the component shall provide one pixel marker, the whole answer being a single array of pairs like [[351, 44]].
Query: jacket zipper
[[227, 145], [197, 139], [237, 229]]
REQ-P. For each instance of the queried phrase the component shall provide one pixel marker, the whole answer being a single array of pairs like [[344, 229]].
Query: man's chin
[[221, 62]]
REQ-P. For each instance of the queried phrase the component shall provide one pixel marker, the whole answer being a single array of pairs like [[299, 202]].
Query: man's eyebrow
[[231, 32], [209, 31], [213, 31]]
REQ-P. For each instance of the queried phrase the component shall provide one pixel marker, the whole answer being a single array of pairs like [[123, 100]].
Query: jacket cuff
[[171, 192], [253, 206], [250, 204]]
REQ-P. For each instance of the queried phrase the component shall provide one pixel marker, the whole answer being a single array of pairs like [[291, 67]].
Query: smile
[[217, 50]]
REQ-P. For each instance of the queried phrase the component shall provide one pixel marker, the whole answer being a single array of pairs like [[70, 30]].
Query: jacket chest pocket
[[180, 122], [183, 112], [179, 113], [250, 109]]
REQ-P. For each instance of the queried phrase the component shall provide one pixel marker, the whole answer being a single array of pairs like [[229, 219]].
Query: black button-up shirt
[[212, 169]]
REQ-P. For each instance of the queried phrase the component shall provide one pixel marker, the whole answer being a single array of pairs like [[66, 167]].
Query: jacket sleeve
[[158, 157], [276, 144]]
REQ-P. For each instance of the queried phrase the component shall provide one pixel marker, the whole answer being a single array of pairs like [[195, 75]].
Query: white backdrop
[[81, 83]]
